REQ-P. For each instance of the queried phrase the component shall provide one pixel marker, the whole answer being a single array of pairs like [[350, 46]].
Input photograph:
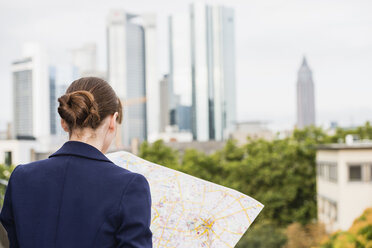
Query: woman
[[77, 197]]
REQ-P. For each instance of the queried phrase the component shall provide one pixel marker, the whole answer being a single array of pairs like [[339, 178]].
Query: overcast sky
[[271, 38]]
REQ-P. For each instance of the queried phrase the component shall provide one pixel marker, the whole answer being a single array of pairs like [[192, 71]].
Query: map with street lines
[[188, 211]]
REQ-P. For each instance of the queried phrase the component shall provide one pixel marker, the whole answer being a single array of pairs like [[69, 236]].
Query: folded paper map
[[189, 212]]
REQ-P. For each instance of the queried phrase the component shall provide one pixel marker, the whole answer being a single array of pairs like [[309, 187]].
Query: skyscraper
[[179, 71], [305, 96], [212, 71], [152, 81], [131, 72], [179, 58], [31, 98]]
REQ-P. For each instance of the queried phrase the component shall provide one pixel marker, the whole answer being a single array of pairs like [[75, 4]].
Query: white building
[[213, 71], [172, 134], [132, 72], [344, 183], [31, 98], [15, 152]]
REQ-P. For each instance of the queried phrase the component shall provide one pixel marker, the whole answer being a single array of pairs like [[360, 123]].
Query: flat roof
[[343, 146], [21, 61]]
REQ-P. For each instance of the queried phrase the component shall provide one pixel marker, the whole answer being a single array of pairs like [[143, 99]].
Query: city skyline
[[271, 39]]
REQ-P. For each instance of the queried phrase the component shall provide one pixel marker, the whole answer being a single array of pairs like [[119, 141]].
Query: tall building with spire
[[305, 96]]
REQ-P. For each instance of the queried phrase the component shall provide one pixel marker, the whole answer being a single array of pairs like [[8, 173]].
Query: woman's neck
[[89, 138]]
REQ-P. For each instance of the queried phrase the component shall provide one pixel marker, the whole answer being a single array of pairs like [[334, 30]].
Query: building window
[[333, 215], [327, 208], [319, 169], [8, 158], [327, 171], [355, 173], [332, 172], [321, 204]]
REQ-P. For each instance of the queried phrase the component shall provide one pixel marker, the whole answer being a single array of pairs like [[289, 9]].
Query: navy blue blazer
[[77, 198]]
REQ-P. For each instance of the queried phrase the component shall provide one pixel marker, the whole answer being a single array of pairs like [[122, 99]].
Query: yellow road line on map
[[246, 214], [156, 215], [236, 199], [242, 210], [162, 233], [217, 236]]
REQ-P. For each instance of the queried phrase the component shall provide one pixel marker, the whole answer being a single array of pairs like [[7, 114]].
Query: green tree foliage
[[263, 234], [5, 172], [208, 169], [159, 153], [274, 172], [362, 132]]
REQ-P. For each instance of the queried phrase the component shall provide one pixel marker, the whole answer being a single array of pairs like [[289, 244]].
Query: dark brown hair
[[87, 102]]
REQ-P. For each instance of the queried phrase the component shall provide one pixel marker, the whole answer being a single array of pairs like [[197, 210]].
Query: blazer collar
[[81, 149]]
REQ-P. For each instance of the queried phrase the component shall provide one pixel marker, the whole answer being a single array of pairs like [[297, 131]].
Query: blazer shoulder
[[17, 170], [118, 169], [116, 172], [132, 177], [31, 165]]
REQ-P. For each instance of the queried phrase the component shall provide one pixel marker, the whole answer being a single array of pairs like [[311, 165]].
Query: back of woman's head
[[87, 102]]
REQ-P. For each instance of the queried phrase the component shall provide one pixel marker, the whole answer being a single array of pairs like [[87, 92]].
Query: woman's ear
[[113, 121], [64, 125]]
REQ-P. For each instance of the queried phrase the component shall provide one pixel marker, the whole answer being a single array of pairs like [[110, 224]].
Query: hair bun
[[79, 109]]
